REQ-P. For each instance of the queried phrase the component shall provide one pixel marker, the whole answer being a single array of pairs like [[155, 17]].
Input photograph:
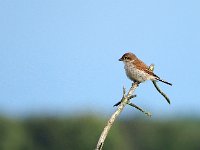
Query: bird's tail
[[164, 81]]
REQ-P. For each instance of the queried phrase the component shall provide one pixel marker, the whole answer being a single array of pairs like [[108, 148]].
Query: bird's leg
[[136, 82]]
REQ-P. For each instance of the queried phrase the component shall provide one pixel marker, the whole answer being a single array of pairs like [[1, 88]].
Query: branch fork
[[124, 101], [127, 99]]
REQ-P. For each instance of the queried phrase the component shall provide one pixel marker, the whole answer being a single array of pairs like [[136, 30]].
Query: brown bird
[[137, 70]]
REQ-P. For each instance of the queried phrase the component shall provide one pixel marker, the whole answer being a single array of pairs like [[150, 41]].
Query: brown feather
[[142, 66]]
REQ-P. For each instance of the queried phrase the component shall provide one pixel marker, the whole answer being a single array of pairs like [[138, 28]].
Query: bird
[[137, 71]]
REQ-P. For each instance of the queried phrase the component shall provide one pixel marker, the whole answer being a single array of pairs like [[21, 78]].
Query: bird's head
[[127, 57]]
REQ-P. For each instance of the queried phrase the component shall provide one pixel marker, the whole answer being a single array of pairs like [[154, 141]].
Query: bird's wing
[[142, 66]]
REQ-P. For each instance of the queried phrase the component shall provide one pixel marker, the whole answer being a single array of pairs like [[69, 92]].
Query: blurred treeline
[[82, 133]]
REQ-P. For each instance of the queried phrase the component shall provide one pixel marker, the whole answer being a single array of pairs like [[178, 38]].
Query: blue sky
[[61, 57]]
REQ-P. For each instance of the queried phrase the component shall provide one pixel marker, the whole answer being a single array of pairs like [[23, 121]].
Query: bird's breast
[[135, 74]]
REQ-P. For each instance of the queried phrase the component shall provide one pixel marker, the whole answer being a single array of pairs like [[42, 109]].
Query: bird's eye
[[125, 57]]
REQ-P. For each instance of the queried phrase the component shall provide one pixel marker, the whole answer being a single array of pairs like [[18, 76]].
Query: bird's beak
[[120, 59]]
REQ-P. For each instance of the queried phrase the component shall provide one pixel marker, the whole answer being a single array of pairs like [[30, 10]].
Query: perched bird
[[137, 70]]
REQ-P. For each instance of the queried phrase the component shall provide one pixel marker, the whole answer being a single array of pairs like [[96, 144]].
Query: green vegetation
[[82, 133]]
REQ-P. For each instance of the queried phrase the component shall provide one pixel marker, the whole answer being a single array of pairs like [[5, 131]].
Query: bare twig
[[161, 92], [140, 109], [125, 100], [117, 104], [151, 67]]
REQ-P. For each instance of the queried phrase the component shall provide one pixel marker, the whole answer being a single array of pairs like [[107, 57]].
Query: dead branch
[[125, 100]]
